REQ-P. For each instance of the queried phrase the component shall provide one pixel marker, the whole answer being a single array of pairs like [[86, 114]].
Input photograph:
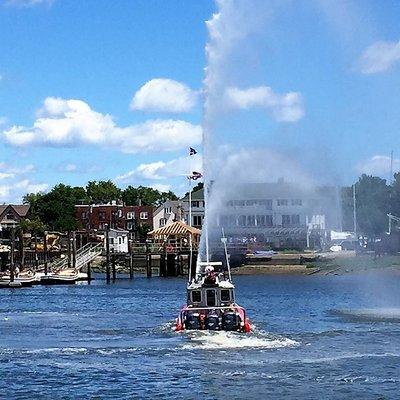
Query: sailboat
[[211, 303]]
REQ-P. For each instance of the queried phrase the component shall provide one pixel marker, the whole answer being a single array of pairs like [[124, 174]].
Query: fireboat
[[211, 301]]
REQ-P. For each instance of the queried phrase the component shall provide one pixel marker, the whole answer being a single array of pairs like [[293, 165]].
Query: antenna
[[224, 240]]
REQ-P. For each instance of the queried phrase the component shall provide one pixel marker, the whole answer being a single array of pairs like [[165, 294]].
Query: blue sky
[[134, 71]]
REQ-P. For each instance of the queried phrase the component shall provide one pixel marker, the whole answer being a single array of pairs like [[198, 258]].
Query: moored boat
[[21, 279], [62, 277]]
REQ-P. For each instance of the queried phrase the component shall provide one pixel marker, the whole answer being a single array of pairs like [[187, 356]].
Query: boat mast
[[224, 240]]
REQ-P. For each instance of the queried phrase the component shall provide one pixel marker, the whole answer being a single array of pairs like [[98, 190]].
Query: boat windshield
[[211, 300], [196, 296], [225, 295]]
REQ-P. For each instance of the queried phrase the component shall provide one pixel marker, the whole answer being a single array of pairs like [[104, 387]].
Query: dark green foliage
[[102, 191], [145, 196], [373, 198], [56, 209]]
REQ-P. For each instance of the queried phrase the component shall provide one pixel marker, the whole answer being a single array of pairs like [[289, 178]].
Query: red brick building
[[99, 216]]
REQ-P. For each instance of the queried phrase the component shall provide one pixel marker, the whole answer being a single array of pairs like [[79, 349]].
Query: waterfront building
[[281, 214], [168, 212], [118, 240], [115, 216], [12, 214]]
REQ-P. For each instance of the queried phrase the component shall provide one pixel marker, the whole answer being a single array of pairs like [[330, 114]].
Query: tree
[[102, 191], [199, 186], [32, 225], [56, 209], [146, 196], [372, 204]]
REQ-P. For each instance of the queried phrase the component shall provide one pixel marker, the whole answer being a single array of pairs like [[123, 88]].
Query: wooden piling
[[69, 249], [36, 254], [171, 264], [131, 266], [148, 265], [114, 271], [73, 249], [163, 265], [107, 256], [130, 259], [89, 272], [148, 261], [45, 253], [12, 264]]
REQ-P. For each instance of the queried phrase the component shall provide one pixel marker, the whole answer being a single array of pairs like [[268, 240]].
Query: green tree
[[146, 196], [56, 209], [372, 204], [102, 191], [32, 225]]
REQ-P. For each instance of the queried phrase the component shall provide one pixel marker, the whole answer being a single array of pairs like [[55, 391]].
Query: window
[[285, 220], [196, 296], [242, 220], [225, 295], [265, 203], [102, 215], [10, 215], [144, 215], [168, 210], [268, 220], [129, 226], [130, 215], [239, 203], [295, 219], [232, 220], [282, 202], [251, 202], [197, 220], [111, 240], [102, 226], [120, 240], [211, 301], [163, 221], [251, 220], [119, 213], [84, 215], [297, 202], [195, 204]]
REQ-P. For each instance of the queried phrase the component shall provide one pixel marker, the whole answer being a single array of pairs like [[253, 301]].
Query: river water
[[330, 337]]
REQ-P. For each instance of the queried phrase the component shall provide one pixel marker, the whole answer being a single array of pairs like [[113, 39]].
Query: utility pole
[[391, 168]]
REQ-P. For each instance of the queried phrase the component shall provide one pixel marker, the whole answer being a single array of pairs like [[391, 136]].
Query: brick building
[[114, 216]]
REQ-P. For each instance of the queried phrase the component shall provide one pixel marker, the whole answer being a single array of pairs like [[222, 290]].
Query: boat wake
[[211, 340], [369, 315]]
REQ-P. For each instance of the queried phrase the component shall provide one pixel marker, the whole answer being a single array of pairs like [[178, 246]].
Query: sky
[[95, 89]]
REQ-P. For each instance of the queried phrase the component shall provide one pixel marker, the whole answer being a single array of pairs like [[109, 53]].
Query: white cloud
[[379, 57], [16, 182], [288, 107], [164, 95], [70, 168], [70, 123], [29, 3], [3, 120], [378, 165], [161, 170]]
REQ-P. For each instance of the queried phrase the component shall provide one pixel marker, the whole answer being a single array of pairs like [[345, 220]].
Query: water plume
[[241, 112]]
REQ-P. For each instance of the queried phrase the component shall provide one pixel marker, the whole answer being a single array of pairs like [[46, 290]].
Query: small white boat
[[62, 277], [21, 279]]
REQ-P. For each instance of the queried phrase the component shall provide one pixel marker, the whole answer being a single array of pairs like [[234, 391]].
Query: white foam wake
[[231, 340]]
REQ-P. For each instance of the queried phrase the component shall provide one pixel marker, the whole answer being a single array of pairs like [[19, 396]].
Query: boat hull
[[229, 318]]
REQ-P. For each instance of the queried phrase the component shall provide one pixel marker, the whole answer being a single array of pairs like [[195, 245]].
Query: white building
[[198, 209], [170, 211], [280, 213], [118, 240]]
